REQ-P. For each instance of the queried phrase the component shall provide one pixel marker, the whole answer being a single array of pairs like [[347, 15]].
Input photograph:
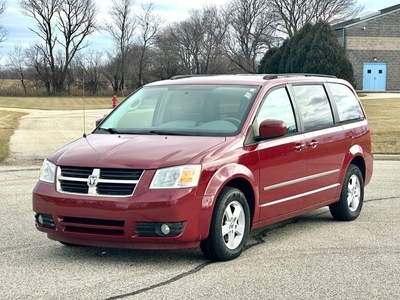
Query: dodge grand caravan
[[200, 160]]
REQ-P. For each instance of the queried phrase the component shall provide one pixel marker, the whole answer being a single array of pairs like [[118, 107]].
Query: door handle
[[299, 146], [313, 144]]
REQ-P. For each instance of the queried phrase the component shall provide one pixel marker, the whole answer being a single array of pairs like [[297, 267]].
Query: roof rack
[[190, 75], [275, 76]]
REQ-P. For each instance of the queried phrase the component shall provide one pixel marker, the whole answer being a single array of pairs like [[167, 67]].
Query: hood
[[133, 151]]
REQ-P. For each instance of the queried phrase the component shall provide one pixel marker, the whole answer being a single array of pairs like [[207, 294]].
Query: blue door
[[374, 77]]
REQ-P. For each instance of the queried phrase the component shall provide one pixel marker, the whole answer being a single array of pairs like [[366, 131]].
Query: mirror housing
[[271, 128], [99, 121]]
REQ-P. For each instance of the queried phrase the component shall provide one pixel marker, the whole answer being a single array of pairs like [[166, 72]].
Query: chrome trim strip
[[300, 195], [99, 180], [282, 184]]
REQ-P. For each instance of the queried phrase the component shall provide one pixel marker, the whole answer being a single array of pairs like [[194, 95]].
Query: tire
[[230, 226], [351, 198], [69, 244]]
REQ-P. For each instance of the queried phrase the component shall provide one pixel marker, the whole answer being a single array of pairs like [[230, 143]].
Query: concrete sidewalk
[[42, 132]]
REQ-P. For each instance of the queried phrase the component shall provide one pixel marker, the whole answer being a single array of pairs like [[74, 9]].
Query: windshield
[[182, 110]]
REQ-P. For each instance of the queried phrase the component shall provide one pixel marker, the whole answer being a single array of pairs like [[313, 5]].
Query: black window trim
[[251, 135]]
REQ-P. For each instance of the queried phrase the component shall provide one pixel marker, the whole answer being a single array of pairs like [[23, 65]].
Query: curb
[[387, 157]]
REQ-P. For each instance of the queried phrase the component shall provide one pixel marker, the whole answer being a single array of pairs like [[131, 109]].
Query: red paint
[[275, 171]]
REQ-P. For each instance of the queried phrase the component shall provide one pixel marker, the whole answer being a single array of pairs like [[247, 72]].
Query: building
[[372, 44]]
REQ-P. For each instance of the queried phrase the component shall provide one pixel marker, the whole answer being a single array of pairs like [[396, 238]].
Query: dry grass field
[[8, 122], [56, 103], [384, 119], [383, 114]]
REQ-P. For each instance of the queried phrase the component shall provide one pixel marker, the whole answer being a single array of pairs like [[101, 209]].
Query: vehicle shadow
[[191, 256]]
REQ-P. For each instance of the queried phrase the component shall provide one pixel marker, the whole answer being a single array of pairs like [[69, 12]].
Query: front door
[[374, 77], [282, 160]]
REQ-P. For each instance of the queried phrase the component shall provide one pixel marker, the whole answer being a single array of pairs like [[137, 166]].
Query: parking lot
[[308, 257]]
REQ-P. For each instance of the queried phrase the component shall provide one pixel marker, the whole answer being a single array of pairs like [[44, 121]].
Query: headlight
[[176, 177], [47, 171]]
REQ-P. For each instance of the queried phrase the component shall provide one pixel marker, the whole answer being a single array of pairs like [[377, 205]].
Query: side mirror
[[271, 129], [99, 121]]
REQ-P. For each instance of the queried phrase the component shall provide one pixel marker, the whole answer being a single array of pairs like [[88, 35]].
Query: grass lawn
[[8, 121], [57, 103], [383, 115]]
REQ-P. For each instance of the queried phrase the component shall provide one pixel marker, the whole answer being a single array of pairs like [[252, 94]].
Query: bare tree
[[3, 31], [63, 26], [90, 68], [17, 61], [199, 40], [122, 30], [39, 63], [148, 25], [167, 62], [292, 15], [251, 32]]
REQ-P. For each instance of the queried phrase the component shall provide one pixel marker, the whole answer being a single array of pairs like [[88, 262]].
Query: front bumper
[[150, 219]]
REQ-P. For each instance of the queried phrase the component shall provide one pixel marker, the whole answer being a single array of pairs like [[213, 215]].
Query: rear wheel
[[351, 198], [230, 226]]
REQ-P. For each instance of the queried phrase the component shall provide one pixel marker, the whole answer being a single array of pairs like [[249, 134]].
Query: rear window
[[346, 102]]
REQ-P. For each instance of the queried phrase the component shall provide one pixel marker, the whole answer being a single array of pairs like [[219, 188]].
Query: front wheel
[[351, 198], [230, 226]]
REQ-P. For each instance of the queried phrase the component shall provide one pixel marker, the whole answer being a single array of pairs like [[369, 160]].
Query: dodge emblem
[[92, 180]]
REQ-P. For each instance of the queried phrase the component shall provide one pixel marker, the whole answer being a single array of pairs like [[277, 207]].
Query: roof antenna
[[83, 101]]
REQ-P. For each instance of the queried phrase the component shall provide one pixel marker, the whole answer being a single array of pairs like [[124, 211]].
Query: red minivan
[[200, 160]]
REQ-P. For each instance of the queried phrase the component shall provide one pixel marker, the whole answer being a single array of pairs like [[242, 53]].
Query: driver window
[[277, 106]]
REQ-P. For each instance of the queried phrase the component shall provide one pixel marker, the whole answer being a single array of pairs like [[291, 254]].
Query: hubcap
[[233, 225], [353, 193]]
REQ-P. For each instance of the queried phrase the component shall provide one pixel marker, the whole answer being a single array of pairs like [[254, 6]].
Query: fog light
[[165, 229], [39, 219], [45, 220]]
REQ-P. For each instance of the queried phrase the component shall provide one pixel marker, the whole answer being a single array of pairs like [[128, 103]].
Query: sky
[[18, 24]]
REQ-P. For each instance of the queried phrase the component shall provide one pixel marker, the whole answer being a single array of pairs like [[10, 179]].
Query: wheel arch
[[235, 176], [359, 162], [360, 158]]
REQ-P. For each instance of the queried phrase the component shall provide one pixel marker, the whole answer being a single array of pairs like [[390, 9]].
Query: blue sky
[[171, 10]]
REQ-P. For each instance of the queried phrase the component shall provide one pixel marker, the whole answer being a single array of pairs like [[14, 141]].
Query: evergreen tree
[[313, 49], [300, 46], [326, 55], [270, 62]]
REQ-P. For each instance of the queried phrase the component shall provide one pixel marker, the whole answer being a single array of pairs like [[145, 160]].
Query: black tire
[[351, 198], [69, 244], [221, 246]]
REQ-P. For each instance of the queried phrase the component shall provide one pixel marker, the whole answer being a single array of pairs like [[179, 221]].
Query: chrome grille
[[95, 181]]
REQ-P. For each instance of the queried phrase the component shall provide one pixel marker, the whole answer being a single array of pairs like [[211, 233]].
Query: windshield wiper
[[166, 132], [110, 130]]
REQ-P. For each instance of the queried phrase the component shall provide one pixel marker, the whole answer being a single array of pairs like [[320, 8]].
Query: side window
[[314, 106], [346, 102], [277, 106]]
